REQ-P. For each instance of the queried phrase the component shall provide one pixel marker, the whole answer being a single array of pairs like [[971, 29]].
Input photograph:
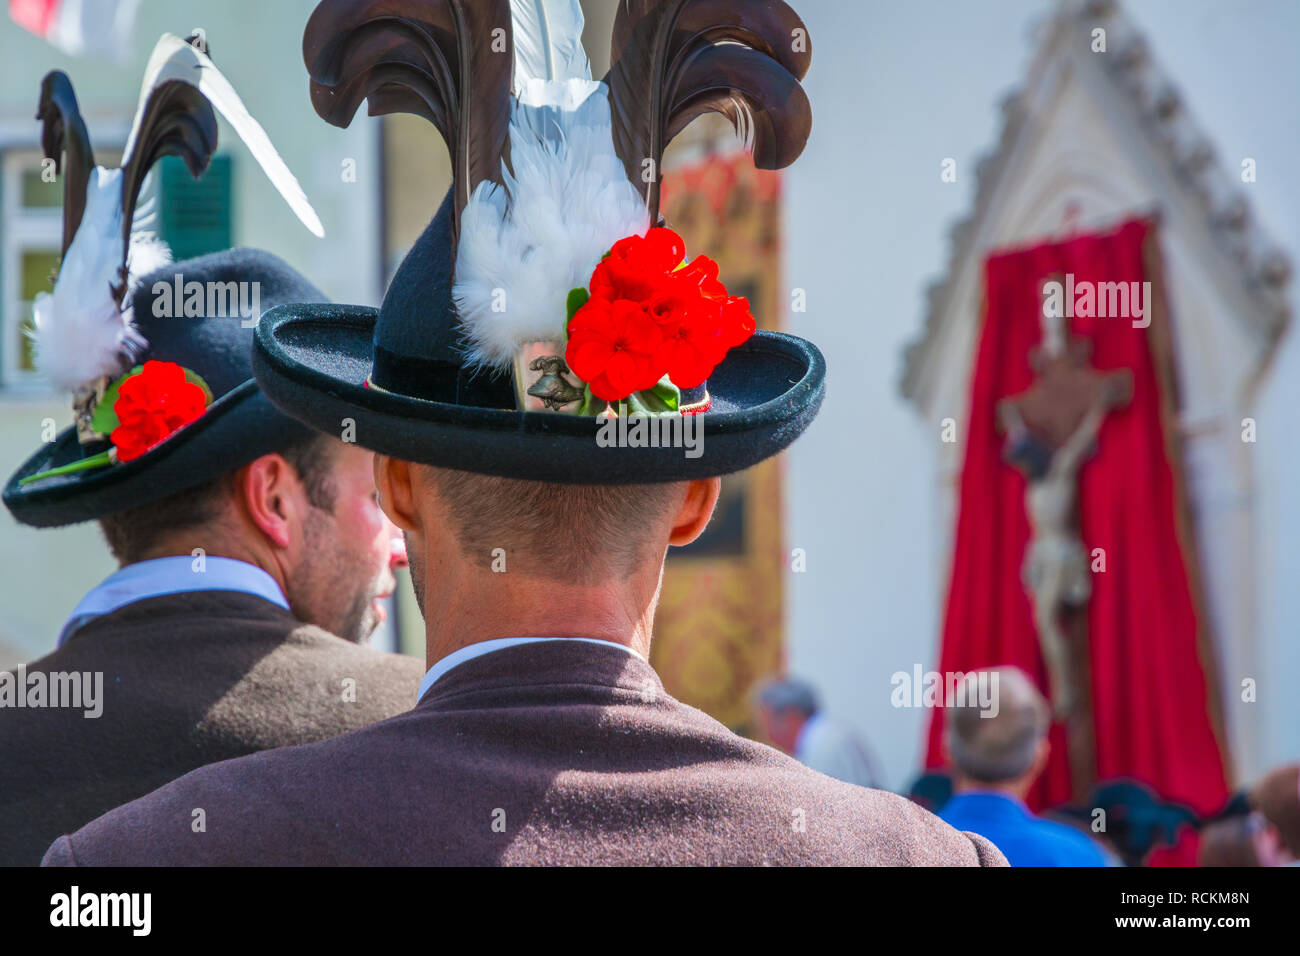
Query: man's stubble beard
[[327, 573]]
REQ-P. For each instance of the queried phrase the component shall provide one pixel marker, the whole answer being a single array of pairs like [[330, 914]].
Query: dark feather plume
[[449, 61], [179, 121], [65, 140], [674, 60]]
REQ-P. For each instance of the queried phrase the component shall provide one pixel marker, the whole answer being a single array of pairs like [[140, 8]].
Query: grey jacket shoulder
[[586, 767], [187, 680], [267, 809], [879, 828]]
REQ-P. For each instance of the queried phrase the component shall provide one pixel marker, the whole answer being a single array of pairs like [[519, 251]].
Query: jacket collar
[[172, 575], [544, 662]]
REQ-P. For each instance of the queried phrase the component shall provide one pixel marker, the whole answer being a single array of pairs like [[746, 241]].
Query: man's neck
[[459, 616], [1015, 789]]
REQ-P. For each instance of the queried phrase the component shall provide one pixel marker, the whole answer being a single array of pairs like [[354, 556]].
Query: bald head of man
[[1002, 746]]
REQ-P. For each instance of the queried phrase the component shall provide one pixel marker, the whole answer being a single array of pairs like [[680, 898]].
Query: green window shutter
[[194, 214]]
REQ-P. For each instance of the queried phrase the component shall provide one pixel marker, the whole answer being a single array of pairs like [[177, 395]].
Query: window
[[194, 213], [193, 218], [30, 235]]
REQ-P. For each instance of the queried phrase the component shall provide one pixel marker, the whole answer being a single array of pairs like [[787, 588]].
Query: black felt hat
[[412, 377], [118, 303], [398, 374], [237, 427]]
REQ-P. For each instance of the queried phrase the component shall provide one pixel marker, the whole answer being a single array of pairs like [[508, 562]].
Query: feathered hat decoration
[[562, 271], [85, 337]]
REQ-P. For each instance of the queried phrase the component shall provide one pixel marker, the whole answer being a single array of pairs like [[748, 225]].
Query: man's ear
[[1041, 754], [394, 480], [696, 510], [273, 497]]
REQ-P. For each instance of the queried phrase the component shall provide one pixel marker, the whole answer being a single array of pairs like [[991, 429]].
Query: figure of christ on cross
[[1051, 430]]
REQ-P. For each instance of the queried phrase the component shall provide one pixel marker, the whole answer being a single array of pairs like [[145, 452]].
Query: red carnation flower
[[637, 266], [614, 348], [151, 405], [650, 314], [700, 322]]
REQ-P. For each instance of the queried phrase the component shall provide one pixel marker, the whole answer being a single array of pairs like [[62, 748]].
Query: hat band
[[439, 380]]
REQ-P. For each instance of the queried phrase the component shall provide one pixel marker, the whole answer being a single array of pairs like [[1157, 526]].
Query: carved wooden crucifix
[[1051, 428]]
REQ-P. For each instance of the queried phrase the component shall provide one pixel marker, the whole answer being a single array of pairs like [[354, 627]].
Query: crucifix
[[1051, 430]]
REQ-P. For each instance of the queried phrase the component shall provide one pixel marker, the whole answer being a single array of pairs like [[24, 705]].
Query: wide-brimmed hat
[[476, 359], [238, 426], [157, 355]]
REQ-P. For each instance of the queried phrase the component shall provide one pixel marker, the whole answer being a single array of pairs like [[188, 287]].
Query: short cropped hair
[[133, 534], [993, 749], [789, 693], [577, 533]]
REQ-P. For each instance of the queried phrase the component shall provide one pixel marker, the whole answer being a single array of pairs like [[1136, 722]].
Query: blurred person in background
[[999, 753], [1276, 802], [792, 718], [1231, 841]]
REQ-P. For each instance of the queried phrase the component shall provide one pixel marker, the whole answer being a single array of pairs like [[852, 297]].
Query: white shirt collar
[[172, 575], [471, 651]]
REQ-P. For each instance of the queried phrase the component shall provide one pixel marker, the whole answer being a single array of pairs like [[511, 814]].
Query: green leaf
[[577, 299], [668, 393], [196, 379], [591, 405], [657, 402], [104, 419]]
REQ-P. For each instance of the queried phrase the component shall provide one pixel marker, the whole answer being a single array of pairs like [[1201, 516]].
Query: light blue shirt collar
[[471, 651], [807, 732], [172, 575]]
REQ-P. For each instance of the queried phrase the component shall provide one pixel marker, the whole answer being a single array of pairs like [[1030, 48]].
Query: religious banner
[[1073, 555], [719, 625]]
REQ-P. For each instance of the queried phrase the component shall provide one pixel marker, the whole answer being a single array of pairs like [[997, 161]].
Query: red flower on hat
[[614, 347], [153, 404], [650, 314]]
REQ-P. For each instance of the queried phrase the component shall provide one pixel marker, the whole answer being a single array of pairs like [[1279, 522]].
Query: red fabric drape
[[1150, 682]]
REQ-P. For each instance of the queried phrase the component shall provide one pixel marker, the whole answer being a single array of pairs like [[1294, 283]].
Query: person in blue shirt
[[996, 736]]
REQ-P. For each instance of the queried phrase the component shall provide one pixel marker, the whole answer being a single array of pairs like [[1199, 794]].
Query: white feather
[[174, 59], [547, 37], [80, 332], [564, 203], [147, 252]]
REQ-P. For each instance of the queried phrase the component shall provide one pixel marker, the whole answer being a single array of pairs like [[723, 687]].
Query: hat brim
[[238, 427], [313, 361]]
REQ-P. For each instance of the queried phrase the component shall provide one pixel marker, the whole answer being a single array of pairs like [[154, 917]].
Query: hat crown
[[419, 341], [214, 342]]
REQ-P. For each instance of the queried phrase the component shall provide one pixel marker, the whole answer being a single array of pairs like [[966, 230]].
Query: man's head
[[784, 706], [307, 515], [1276, 802], [1002, 747], [528, 556]]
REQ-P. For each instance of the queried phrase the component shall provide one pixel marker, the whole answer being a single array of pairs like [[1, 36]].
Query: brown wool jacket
[[188, 679], [549, 753]]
